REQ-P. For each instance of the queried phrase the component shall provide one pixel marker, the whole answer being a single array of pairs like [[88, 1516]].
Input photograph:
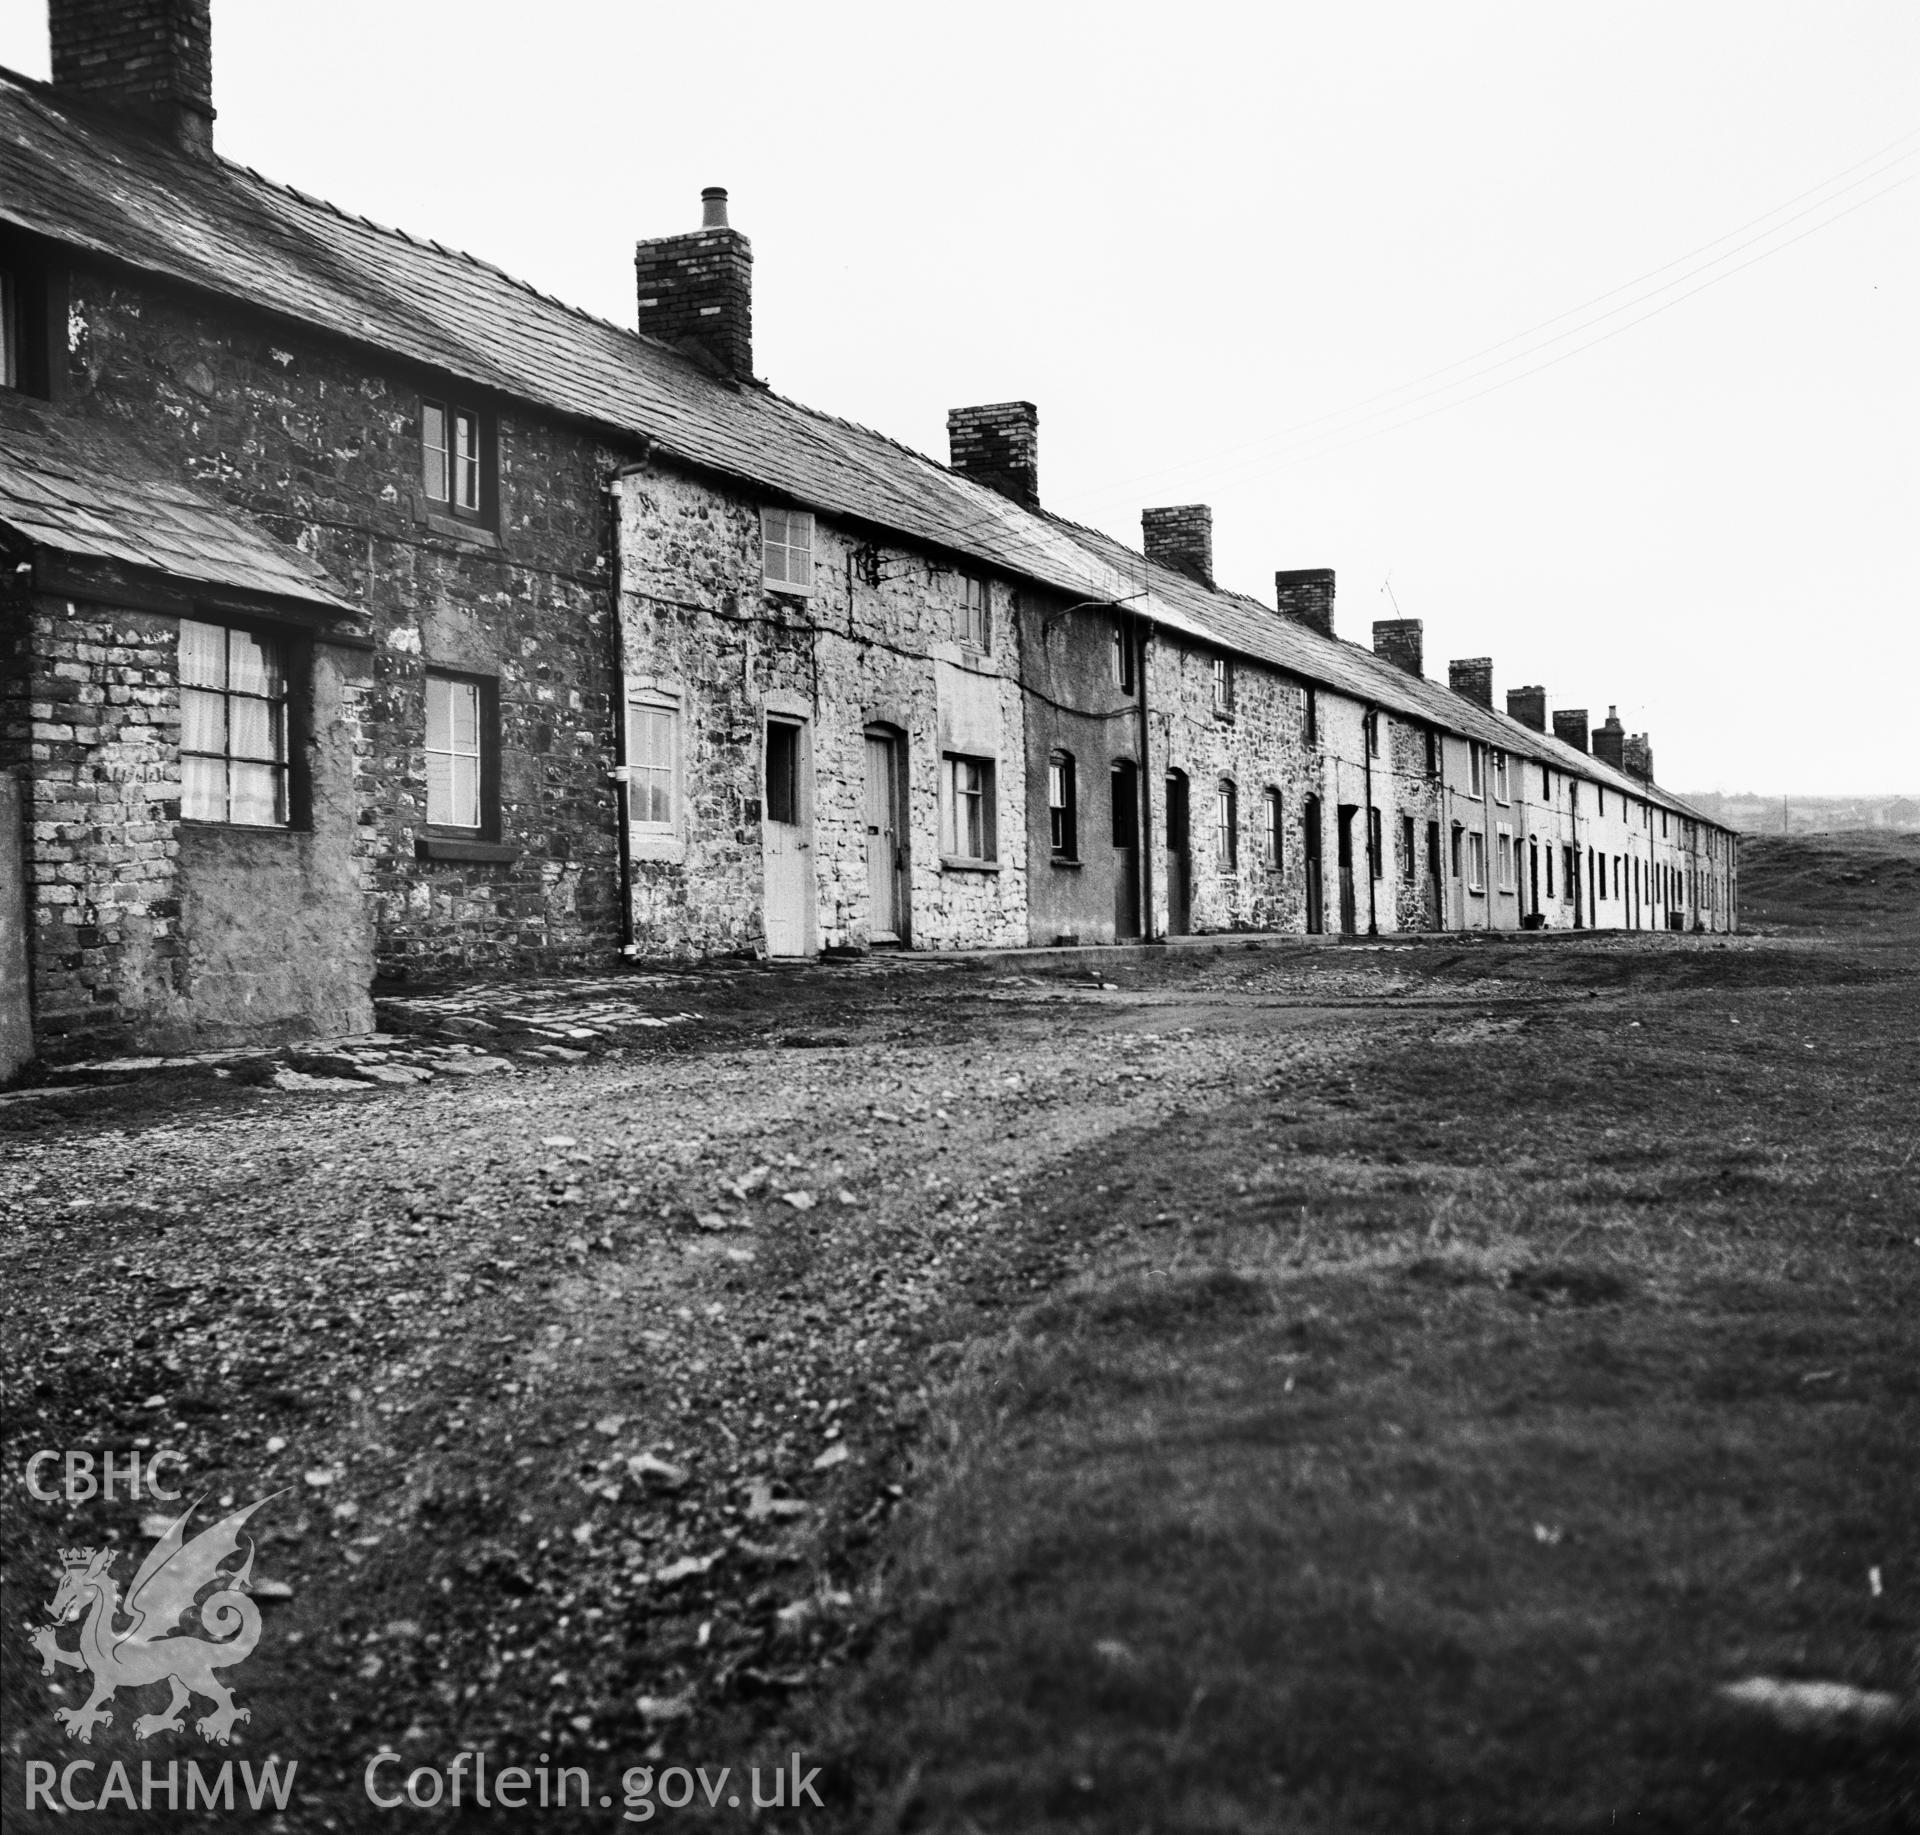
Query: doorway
[[1179, 857], [1436, 875], [1533, 871], [1125, 789], [890, 914], [788, 843], [1316, 883], [1458, 879], [1349, 914]]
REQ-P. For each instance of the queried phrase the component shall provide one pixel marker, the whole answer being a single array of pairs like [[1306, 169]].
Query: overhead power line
[[1305, 440]]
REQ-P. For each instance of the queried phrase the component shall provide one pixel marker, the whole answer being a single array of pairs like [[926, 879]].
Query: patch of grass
[[1438, 1461]]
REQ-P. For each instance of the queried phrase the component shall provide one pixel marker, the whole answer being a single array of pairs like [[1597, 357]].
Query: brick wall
[[102, 746]]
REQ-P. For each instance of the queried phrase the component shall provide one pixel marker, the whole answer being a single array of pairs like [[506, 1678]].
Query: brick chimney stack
[[1181, 537], [1305, 594], [695, 291], [1570, 727], [151, 61], [998, 445], [1528, 706], [1610, 741], [1402, 642], [1472, 676], [1638, 754]]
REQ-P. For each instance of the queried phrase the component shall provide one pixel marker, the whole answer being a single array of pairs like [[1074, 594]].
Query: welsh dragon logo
[[152, 1648]]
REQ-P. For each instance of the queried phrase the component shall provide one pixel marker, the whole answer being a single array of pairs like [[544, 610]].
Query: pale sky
[[1273, 259]]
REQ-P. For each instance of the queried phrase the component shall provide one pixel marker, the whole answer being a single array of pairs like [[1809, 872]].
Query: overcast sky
[[1276, 259]]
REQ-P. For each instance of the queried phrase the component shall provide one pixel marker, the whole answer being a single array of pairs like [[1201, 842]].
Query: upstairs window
[[1476, 770], [1502, 781], [975, 614], [1122, 656], [786, 550], [1062, 815], [1372, 724], [1433, 753], [9, 330], [233, 727], [1226, 828], [33, 323], [1222, 685], [1406, 848], [1546, 785], [653, 762], [459, 719], [1313, 718], [455, 460]]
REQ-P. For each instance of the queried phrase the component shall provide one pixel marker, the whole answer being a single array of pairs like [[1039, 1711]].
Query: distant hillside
[[1810, 815], [1865, 881]]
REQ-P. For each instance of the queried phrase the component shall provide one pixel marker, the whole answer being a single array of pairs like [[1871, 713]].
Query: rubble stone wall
[[318, 442]]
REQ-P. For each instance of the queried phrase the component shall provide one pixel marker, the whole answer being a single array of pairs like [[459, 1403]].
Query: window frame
[[1476, 770], [1376, 843], [1502, 776], [1222, 687], [973, 614], [1408, 848], [1506, 857], [1226, 826], [33, 320], [1063, 809], [983, 798], [1122, 656], [1273, 833], [666, 704], [444, 500], [288, 814], [486, 691], [791, 521], [1476, 862]]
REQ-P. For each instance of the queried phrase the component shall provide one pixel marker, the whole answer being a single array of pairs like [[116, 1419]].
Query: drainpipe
[[1368, 727], [1144, 793], [616, 643]]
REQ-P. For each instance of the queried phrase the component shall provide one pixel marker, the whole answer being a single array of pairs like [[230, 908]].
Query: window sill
[[1066, 862], [645, 844], [446, 847], [207, 825], [785, 589], [965, 863], [454, 528], [1225, 715]]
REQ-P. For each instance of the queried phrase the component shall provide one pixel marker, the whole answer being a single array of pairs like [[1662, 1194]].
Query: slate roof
[[67, 173], [75, 489]]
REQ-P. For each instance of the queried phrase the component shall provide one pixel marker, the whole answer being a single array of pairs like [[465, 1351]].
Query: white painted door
[[889, 919], [789, 841]]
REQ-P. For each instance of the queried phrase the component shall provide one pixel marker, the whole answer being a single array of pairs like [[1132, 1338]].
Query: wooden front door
[[1125, 788], [1349, 917], [1179, 857], [788, 841], [886, 851], [1316, 876]]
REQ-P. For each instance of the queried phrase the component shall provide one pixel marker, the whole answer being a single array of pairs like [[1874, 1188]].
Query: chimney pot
[[1528, 706], [1180, 537], [1305, 594], [998, 444], [1472, 676], [1610, 741], [1401, 642], [696, 290], [150, 60], [1570, 727]]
